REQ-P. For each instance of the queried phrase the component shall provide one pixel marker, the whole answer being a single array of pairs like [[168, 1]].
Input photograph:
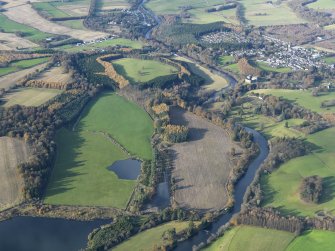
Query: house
[[251, 79]]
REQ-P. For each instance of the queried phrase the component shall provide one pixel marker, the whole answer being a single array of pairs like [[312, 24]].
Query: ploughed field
[[141, 71], [29, 96], [249, 238], [80, 175], [202, 165], [12, 153]]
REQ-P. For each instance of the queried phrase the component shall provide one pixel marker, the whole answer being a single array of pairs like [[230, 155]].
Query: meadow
[[63, 9], [115, 4], [48, 9], [303, 98], [28, 32], [22, 64], [29, 96], [281, 188], [265, 67], [104, 44], [80, 175], [150, 238], [213, 82], [255, 238], [322, 5], [330, 59], [142, 71]]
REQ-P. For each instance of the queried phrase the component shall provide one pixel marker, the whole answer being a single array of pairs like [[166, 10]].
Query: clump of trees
[[246, 68], [175, 133], [311, 189]]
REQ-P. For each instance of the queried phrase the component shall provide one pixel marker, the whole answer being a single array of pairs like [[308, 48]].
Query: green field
[[330, 59], [265, 67], [303, 98], [150, 238], [264, 13], [198, 13], [29, 96], [22, 64], [141, 71], [248, 238], [226, 60], [9, 26], [329, 27], [104, 44], [80, 175], [315, 240], [73, 24], [232, 68], [115, 4], [49, 9], [281, 188], [63, 9], [322, 5]]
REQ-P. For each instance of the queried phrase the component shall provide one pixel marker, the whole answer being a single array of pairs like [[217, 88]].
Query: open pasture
[[141, 71], [213, 82], [303, 98], [11, 42], [249, 238], [266, 67], [29, 96], [26, 15], [202, 164], [55, 74], [281, 187], [315, 240], [80, 175], [322, 5], [12, 152], [151, 238], [22, 64], [113, 5], [264, 13], [198, 11], [60, 9]]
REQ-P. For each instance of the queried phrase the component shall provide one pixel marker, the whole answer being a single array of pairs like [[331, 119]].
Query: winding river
[[239, 192]]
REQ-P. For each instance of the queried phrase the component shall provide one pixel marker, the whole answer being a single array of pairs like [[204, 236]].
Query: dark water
[[240, 190], [45, 234], [128, 169]]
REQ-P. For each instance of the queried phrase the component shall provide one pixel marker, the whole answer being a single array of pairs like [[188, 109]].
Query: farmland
[[29, 96], [249, 238], [213, 82], [111, 5], [281, 188], [55, 74], [303, 98], [206, 152], [141, 71], [261, 239], [22, 64], [323, 5], [150, 238], [12, 79], [265, 67], [13, 42], [13, 152], [80, 175], [100, 45]]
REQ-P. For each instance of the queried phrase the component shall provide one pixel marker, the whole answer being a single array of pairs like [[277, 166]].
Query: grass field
[[55, 74], [329, 27], [303, 98], [29, 96], [48, 9], [22, 64], [315, 240], [265, 67], [233, 68], [281, 188], [12, 42], [141, 71], [30, 33], [13, 152], [80, 175], [73, 24], [213, 82], [322, 5], [202, 164], [226, 60], [198, 13], [115, 4], [248, 238], [62, 9], [262, 13], [95, 46], [150, 238], [329, 60]]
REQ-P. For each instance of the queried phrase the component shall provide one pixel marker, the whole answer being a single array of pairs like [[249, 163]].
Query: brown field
[[12, 79], [10, 42], [55, 74], [12, 152], [201, 165], [25, 14]]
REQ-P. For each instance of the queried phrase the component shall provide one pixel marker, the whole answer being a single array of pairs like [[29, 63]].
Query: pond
[[40, 234], [128, 169]]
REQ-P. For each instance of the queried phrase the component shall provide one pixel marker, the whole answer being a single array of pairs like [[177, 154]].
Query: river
[[239, 192]]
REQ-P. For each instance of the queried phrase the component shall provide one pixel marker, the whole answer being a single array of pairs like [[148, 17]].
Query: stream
[[240, 189]]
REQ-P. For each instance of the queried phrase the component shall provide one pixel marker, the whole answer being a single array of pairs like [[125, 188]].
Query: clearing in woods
[[29, 96], [12, 152], [203, 164]]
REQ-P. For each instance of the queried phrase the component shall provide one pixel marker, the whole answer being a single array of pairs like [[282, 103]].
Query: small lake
[[41, 234], [128, 169]]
